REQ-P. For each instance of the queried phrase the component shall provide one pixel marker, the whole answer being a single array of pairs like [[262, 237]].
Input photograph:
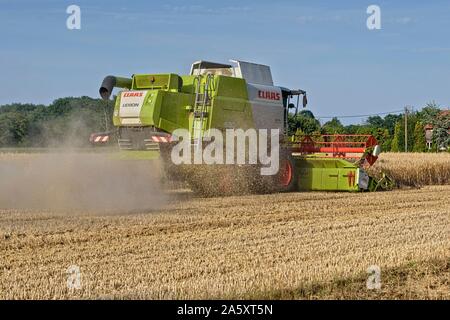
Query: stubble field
[[280, 246]]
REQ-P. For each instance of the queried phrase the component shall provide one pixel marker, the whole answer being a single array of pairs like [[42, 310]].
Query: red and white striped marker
[[101, 139], [160, 139]]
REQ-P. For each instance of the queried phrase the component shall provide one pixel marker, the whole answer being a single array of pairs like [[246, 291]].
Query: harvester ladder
[[202, 101]]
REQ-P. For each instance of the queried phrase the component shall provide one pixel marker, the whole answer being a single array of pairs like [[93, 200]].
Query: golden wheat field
[[415, 169], [278, 246]]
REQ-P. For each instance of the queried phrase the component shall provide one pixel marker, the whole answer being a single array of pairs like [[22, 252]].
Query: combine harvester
[[240, 95]]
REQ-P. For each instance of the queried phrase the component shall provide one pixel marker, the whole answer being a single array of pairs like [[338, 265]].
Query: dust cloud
[[77, 181]]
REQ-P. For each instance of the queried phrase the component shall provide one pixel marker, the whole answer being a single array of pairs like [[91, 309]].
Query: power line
[[361, 115]]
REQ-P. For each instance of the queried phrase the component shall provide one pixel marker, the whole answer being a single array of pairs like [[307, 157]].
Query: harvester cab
[[239, 95]]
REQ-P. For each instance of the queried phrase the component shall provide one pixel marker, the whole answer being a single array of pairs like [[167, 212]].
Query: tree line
[[70, 121], [66, 122]]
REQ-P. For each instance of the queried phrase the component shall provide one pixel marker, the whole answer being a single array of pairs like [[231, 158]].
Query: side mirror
[[305, 100], [291, 106]]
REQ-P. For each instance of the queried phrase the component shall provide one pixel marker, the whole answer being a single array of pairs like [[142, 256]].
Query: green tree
[[383, 137], [390, 121], [429, 113], [441, 135], [13, 128], [6, 131], [334, 126], [307, 114], [419, 138], [412, 120], [375, 121], [395, 144], [366, 130], [67, 121], [352, 128], [304, 122], [441, 138]]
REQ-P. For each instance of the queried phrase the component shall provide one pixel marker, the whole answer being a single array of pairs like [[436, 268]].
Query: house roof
[[444, 113]]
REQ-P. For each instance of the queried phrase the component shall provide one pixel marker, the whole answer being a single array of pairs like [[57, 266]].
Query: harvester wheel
[[287, 177]]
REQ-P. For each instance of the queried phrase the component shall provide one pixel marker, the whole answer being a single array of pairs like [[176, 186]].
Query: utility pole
[[406, 129]]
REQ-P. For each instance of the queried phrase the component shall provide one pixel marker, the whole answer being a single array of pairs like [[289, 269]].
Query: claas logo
[[268, 95], [132, 94]]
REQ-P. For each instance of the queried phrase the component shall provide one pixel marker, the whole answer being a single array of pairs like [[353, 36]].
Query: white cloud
[[199, 9], [321, 19]]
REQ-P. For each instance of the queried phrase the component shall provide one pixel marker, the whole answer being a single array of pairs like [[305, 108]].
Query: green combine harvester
[[240, 95]]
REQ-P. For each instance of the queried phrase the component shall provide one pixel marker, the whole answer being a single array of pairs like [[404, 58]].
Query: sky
[[323, 47]]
